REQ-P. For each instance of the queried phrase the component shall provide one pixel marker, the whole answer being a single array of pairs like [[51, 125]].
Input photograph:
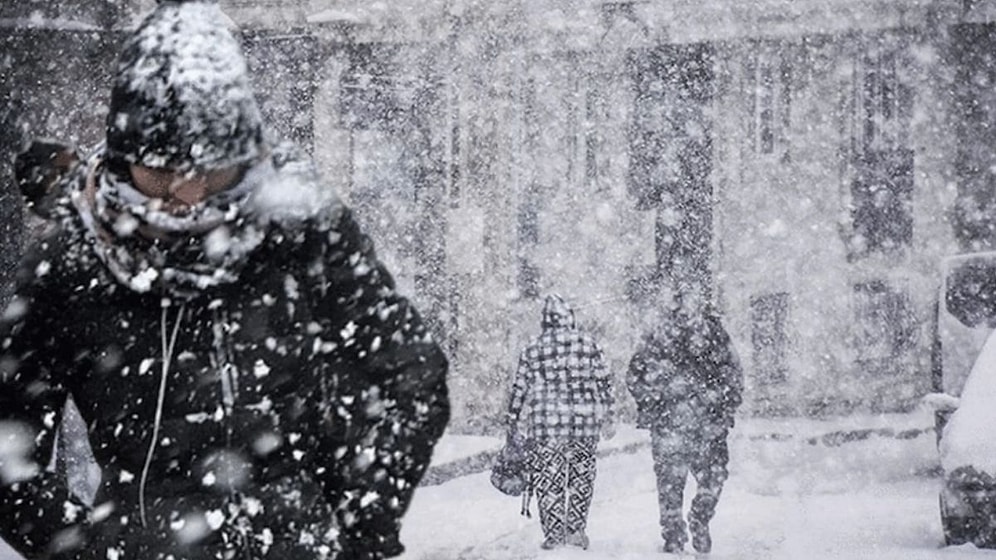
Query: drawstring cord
[[167, 349], [527, 496], [221, 361], [527, 493]]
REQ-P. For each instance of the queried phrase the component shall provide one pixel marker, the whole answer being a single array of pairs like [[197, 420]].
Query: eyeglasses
[[182, 189]]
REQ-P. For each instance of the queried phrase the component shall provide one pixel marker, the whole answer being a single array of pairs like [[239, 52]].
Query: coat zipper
[[168, 347]]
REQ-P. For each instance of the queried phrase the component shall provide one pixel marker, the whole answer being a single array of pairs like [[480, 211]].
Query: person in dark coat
[[686, 379], [562, 378], [252, 384]]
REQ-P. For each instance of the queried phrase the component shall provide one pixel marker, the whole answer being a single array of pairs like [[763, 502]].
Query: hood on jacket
[[181, 97], [694, 328], [557, 313]]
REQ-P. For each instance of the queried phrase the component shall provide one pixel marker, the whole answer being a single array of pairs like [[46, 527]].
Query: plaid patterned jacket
[[562, 378]]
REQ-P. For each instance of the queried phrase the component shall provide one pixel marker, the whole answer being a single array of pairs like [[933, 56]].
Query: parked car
[[965, 398]]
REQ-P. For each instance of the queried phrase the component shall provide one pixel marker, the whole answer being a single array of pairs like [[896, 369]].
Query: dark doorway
[[974, 57], [670, 145]]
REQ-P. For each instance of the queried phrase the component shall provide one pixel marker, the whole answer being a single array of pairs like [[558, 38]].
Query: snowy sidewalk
[[460, 455], [862, 487]]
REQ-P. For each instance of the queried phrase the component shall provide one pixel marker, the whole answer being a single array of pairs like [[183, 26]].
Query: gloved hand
[[608, 430]]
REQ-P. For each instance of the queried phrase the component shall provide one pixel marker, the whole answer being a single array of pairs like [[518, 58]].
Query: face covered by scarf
[[147, 248]]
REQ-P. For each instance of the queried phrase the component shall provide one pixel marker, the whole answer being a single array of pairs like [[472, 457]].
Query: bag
[[509, 473]]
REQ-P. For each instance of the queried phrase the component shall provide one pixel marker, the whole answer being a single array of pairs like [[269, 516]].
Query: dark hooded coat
[[252, 384], [686, 375], [288, 414]]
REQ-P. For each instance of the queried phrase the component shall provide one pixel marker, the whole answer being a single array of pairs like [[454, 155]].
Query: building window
[[769, 92], [528, 279], [877, 128], [670, 144], [528, 237], [885, 321], [564, 108], [974, 57], [285, 92], [455, 166], [301, 103], [884, 101], [528, 222], [596, 117], [454, 331], [882, 202], [370, 88], [769, 339]]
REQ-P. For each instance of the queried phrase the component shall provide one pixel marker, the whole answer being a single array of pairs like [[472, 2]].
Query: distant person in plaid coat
[[687, 382], [561, 376]]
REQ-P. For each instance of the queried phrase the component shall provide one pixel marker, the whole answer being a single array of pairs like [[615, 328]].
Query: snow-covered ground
[[856, 488], [862, 487]]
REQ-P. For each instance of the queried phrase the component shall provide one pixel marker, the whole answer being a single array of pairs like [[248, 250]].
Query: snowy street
[[794, 492], [862, 487], [257, 255]]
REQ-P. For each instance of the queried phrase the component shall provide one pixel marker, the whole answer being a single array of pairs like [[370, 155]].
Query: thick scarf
[[180, 254]]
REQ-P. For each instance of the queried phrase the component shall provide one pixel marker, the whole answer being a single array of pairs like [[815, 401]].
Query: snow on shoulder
[[968, 439]]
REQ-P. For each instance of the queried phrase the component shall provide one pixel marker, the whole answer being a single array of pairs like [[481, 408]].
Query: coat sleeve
[[636, 379], [39, 516], [734, 375], [520, 386], [603, 380], [724, 384], [639, 386], [385, 396]]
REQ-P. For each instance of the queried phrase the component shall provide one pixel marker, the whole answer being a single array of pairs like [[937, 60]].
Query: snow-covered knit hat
[[181, 97]]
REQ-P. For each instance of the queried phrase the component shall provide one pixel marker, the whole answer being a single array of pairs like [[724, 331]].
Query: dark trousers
[[705, 455], [564, 480]]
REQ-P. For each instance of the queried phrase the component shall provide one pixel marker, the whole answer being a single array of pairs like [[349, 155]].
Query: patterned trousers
[[676, 453], [563, 479]]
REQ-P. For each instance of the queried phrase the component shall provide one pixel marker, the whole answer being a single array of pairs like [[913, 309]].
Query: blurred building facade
[[805, 164]]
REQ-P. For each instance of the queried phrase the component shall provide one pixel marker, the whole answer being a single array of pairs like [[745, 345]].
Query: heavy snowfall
[[821, 167]]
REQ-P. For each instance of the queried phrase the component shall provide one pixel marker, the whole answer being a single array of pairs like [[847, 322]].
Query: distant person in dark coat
[[562, 378], [252, 384], [687, 382]]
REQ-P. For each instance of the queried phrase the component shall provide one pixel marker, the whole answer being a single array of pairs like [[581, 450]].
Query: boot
[[673, 546], [673, 532], [701, 541], [578, 539], [551, 543]]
